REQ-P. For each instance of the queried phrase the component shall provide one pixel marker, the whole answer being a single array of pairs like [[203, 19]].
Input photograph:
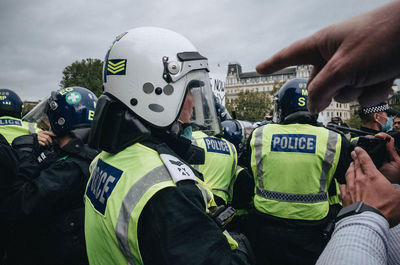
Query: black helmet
[[10, 103], [71, 108], [232, 131], [292, 97], [222, 112]]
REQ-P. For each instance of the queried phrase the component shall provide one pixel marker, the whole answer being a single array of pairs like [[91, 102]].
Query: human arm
[[357, 239], [243, 189], [174, 229], [355, 59], [390, 168], [344, 160], [366, 184], [54, 189]]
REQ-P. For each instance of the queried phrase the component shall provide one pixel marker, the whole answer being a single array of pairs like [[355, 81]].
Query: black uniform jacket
[[42, 206]]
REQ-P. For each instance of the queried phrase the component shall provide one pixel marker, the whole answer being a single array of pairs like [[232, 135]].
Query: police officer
[[219, 168], [375, 119], [144, 203], [11, 125], [220, 161], [44, 203], [234, 132], [294, 163]]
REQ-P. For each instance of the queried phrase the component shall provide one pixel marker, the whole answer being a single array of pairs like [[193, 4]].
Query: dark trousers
[[284, 243]]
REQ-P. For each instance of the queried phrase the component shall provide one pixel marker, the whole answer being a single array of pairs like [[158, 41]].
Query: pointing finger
[[326, 84], [303, 51]]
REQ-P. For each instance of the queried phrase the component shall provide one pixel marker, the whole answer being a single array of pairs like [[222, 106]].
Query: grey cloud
[[39, 38]]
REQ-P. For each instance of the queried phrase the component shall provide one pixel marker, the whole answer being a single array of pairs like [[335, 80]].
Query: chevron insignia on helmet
[[116, 67]]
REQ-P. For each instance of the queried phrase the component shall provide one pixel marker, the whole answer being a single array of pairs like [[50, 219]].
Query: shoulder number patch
[[177, 169], [102, 182]]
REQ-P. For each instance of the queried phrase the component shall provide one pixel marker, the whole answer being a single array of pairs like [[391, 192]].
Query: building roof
[[286, 71]]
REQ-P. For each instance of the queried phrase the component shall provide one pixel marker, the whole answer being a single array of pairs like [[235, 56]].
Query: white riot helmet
[[151, 70]]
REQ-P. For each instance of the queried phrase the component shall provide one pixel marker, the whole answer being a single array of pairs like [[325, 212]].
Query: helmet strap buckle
[[166, 75]]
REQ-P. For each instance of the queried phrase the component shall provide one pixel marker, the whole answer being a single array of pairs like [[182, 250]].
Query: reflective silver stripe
[[31, 128], [258, 155], [292, 197], [233, 172], [234, 157], [328, 159], [157, 175], [207, 197], [194, 142], [228, 189]]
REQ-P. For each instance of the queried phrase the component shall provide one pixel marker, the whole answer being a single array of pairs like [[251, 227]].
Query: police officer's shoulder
[[28, 143], [78, 148]]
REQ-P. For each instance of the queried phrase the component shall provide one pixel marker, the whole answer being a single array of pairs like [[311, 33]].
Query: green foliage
[[251, 106], [354, 121], [28, 106], [277, 86], [86, 73]]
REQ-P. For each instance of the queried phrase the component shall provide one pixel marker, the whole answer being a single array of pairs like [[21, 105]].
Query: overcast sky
[[39, 38]]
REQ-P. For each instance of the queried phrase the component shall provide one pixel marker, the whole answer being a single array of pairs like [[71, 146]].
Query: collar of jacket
[[366, 129], [74, 146], [182, 146], [302, 117]]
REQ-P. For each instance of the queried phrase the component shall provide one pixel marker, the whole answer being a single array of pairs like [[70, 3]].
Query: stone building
[[237, 81]]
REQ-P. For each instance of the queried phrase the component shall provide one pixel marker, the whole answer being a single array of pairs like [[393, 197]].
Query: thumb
[[366, 164]]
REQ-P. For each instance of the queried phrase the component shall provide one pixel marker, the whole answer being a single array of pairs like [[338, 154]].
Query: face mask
[[388, 125], [187, 132]]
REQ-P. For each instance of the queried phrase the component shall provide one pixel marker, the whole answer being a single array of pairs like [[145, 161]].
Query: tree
[[251, 106], [277, 85], [354, 121], [86, 73], [28, 106]]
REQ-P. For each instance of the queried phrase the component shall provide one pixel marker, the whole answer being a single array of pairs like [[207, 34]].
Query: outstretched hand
[[353, 60], [390, 168], [365, 183]]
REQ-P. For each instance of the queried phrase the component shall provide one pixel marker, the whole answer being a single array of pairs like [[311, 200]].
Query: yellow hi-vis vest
[[11, 128], [293, 166], [220, 163], [119, 187]]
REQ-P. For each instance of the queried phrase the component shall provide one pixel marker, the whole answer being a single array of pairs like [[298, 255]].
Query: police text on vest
[[102, 182], [299, 143], [216, 145]]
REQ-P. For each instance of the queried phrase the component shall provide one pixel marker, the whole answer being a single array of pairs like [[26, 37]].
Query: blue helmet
[[70, 108], [222, 112], [292, 97], [232, 131], [10, 103]]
